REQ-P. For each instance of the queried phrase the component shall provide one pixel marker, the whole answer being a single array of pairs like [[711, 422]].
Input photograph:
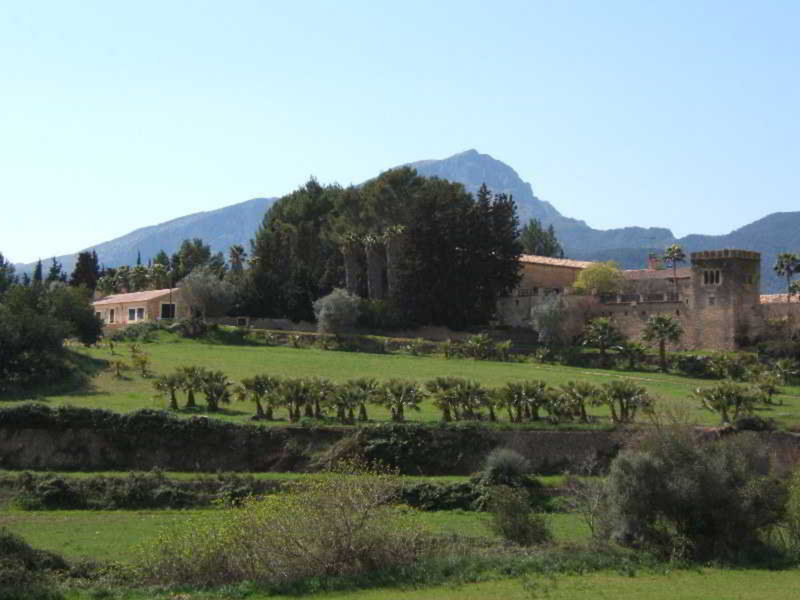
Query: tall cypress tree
[[37, 273], [86, 272]]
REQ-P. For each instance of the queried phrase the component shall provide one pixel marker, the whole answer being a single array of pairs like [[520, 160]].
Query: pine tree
[[86, 272]]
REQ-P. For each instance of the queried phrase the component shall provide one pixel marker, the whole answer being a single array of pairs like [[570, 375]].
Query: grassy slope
[[135, 392]]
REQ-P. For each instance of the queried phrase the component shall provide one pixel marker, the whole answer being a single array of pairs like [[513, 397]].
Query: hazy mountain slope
[[472, 169], [220, 228]]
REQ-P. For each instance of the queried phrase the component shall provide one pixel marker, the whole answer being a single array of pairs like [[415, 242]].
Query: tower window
[[711, 277]]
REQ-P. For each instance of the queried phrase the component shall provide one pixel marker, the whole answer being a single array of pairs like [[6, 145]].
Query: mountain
[[630, 246], [220, 229]]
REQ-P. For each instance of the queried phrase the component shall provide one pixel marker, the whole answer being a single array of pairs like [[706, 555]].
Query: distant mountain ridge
[[630, 246], [220, 229]]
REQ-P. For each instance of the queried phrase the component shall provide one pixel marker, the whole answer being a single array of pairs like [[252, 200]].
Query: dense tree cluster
[[422, 246], [34, 322]]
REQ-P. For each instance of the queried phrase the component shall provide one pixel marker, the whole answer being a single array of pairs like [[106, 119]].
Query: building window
[[131, 314], [168, 311], [140, 314], [712, 301], [111, 316], [677, 312], [711, 277]]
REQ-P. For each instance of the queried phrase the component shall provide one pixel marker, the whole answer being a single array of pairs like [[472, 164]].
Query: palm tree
[[786, 265], [399, 395], [601, 333], [169, 384], [215, 387], [191, 381], [662, 329], [673, 255], [258, 388], [442, 390], [576, 395], [623, 398]]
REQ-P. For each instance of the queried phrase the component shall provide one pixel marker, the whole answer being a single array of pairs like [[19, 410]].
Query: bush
[[676, 495], [137, 332], [341, 525], [379, 315], [505, 466], [24, 571], [511, 517], [336, 312]]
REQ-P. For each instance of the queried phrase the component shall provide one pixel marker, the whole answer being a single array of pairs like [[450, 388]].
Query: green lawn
[[114, 535], [705, 584], [135, 392]]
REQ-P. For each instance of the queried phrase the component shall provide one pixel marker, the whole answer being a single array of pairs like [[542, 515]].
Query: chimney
[[654, 262]]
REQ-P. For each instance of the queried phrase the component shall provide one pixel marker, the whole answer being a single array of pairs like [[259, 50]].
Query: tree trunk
[[259, 408], [268, 414], [662, 353], [395, 248], [446, 416], [362, 413], [190, 403], [376, 263], [352, 267]]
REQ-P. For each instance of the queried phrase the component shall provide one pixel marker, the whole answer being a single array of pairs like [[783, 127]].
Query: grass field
[[113, 535], [135, 392]]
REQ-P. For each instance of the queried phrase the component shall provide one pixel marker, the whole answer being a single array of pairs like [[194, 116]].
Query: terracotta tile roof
[[133, 297], [639, 274], [555, 262], [777, 298]]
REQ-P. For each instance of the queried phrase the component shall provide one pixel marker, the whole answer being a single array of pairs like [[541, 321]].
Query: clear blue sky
[[118, 115]]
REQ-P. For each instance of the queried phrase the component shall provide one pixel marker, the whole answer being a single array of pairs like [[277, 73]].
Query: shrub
[[24, 571], [137, 332], [674, 494], [336, 312], [505, 466], [511, 517], [341, 525]]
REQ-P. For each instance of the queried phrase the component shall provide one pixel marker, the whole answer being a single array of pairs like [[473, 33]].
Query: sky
[[115, 116]]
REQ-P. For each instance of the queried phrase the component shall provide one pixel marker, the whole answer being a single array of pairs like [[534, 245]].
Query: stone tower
[[724, 297]]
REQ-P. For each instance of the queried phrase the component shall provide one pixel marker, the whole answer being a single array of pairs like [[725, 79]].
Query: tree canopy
[[537, 240], [599, 278], [444, 256]]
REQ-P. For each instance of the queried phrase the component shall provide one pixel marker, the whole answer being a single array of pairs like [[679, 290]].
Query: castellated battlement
[[727, 253]]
